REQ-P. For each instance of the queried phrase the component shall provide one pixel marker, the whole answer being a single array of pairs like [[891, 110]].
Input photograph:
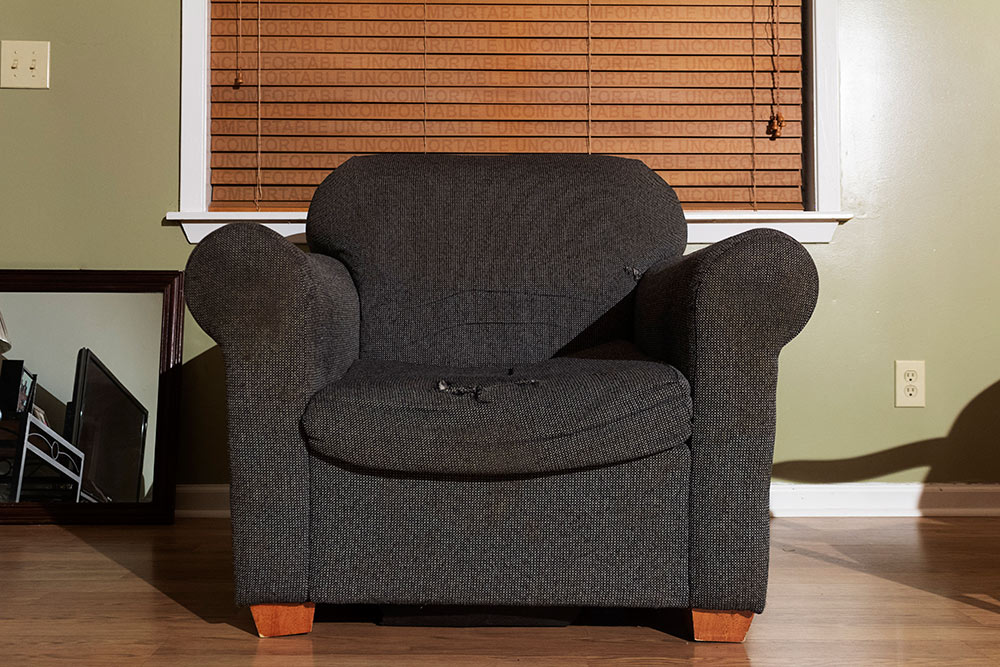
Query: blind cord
[[238, 78], [425, 77], [753, 107], [589, 83], [777, 121], [258, 191]]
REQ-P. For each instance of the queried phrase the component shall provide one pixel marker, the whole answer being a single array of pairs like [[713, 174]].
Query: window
[[672, 83]]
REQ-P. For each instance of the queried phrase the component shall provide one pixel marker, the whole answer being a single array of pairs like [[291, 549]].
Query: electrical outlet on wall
[[911, 384]]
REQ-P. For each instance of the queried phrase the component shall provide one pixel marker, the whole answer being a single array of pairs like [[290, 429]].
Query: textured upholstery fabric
[[287, 323], [490, 260], [550, 416], [612, 349], [612, 536], [721, 316]]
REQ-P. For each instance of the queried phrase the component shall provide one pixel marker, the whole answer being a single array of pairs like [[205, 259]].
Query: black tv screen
[[108, 424]]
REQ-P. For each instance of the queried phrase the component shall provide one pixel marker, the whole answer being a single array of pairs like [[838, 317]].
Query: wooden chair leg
[[715, 625], [283, 618]]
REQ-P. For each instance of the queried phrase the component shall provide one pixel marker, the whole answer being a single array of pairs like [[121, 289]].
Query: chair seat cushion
[[552, 416]]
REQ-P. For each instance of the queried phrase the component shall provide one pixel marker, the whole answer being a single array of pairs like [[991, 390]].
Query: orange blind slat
[[684, 85]]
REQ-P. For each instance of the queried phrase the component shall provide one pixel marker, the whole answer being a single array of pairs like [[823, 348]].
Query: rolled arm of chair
[[287, 323], [721, 315]]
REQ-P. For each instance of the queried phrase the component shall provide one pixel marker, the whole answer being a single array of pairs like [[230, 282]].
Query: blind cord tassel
[[775, 124]]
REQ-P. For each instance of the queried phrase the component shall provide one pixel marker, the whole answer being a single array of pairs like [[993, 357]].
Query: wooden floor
[[843, 592]]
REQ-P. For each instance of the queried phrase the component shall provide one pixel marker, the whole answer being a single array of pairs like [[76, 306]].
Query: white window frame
[[816, 225]]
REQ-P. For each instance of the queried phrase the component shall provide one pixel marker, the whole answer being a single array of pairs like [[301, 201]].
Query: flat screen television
[[108, 424]]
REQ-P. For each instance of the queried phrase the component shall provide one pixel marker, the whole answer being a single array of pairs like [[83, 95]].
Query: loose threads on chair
[[477, 390]]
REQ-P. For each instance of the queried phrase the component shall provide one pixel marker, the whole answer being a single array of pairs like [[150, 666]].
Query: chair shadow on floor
[[193, 565], [970, 452]]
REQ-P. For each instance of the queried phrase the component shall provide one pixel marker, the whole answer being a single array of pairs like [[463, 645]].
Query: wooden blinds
[[672, 83]]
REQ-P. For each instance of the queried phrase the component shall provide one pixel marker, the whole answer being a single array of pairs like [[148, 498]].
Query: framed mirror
[[89, 395]]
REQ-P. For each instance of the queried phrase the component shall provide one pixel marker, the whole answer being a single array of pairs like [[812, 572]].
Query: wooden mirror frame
[[171, 285]]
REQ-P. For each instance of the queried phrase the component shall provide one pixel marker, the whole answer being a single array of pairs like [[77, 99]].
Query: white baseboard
[[884, 499], [787, 500]]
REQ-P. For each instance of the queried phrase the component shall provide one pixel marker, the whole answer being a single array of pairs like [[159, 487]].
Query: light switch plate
[[24, 64]]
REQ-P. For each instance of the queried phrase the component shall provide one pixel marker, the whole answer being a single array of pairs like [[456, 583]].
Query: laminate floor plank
[[842, 592]]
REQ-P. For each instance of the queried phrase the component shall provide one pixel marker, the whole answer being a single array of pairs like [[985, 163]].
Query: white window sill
[[803, 226], [703, 226]]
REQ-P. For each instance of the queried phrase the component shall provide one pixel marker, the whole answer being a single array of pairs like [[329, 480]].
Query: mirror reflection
[[79, 377]]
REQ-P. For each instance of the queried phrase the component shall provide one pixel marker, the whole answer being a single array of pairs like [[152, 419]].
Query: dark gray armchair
[[497, 381]]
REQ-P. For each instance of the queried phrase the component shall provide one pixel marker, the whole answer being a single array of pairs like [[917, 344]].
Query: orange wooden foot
[[714, 625], [283, 618]]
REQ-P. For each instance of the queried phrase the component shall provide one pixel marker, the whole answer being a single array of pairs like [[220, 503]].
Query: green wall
[[88, 169]]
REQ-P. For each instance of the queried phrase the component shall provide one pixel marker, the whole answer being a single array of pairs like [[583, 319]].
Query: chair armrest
[[287, 323], [721, 315]]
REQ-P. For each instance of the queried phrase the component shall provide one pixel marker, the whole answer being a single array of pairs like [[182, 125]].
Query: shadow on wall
[[202, 457], [969, 453], [920, 551]]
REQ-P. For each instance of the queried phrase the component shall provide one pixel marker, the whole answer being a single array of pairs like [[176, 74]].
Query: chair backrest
[[490, 260]]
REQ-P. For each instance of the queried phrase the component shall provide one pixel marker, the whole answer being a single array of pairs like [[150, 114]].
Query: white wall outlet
[[24, 64], [911, 384]]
